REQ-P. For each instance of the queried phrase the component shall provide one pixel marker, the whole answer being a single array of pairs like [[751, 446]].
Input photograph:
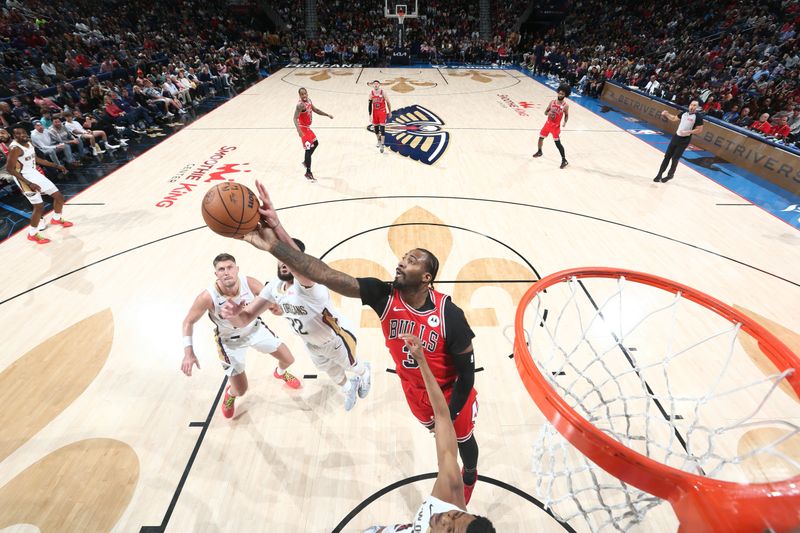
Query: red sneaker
[[290, 380], [227, 407], [469, 488], [38, 239], [61, 222]]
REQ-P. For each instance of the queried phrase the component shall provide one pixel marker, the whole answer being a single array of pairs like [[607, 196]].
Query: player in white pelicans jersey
[[232, 341], [327, 334], [21, 165], [444, 510]]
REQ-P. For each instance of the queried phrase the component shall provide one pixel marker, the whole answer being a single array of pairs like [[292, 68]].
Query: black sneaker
[[657, 179], [666, 179], [538, 154], [564, 163], [310, 176]]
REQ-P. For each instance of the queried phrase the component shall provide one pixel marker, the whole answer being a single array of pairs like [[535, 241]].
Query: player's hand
[[231, 309], [34, 187], [275, 309], [262, 237], [330, 116], [269, 215], [62, 169], [189, 360], [414, 345]]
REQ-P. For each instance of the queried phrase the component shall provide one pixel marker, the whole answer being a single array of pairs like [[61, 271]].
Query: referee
[[691, 122]]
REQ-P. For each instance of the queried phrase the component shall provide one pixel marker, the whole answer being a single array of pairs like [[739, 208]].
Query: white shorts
[[39, 179], [334, 357], [231, 350]]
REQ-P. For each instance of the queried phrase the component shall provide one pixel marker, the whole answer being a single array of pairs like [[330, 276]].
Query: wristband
[[187, 341]]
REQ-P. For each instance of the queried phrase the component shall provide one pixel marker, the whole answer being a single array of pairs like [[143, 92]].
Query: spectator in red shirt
[[781, 129], [762, 124]]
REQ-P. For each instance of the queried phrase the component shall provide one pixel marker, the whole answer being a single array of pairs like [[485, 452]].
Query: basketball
[[230, 209]]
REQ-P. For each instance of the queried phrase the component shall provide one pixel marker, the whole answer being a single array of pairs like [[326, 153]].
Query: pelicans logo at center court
[[416, 133]]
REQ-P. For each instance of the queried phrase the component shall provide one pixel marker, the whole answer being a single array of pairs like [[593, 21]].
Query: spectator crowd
[[739, 59]]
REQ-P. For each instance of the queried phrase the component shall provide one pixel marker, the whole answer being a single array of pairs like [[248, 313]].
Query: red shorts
[[379, 118], [308, 138], [551, 127], [421, 408]]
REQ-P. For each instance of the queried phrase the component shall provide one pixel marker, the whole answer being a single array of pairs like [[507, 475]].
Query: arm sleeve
[[458, 338], [465, 366], [374, 293], [369, 106]]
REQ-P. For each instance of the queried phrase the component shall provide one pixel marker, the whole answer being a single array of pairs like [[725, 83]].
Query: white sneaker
[[169, 115], [378, 144], [42, 224], [350, 396], [381, 148], [365, 381], [123, 142], [112, 146]]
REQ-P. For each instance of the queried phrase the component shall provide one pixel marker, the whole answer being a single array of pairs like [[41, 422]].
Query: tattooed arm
[[270, 237]]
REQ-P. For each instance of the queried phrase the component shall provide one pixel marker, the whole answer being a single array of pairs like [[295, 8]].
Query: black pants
[[674, 152]]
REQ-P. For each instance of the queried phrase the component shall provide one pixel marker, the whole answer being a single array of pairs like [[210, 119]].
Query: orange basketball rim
[[701, 504]]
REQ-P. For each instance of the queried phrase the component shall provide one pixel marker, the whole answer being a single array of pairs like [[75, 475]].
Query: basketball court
[[101, 430]]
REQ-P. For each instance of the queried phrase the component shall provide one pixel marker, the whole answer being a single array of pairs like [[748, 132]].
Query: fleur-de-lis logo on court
[[324, 74], [406, 85], [477, 75], [419, 228]]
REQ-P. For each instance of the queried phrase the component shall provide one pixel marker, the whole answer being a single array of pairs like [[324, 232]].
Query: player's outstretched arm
[[320, 111], [200, 306], [449, 486], [267, 238], [240, 314]]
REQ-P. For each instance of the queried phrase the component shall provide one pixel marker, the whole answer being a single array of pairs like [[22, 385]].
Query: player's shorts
[[379, 118], [551, 127], [35, 197], [308, 138], [232, 350], [334, 357], [421, 408]]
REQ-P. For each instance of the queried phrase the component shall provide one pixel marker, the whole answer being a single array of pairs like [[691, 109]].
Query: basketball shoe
[[61, 222], [38, 239], [287, 376], [310, 177], [350, 395], [227, 407], [366, 381]]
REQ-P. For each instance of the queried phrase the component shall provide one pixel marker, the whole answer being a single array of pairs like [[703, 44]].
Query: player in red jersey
[[555, 110], [380, 109], [408, 305], [302, 121]]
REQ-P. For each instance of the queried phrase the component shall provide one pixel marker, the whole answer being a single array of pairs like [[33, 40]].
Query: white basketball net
[[662, 375]]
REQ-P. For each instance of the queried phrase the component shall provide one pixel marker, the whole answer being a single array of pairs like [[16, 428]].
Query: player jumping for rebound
[[380, 109], [302, 121], [555, 110]]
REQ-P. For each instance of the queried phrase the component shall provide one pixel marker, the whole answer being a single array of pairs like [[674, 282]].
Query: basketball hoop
[[400, 11], [598, 382]]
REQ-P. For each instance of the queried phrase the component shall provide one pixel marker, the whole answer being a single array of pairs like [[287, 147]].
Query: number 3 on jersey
[[430, 345]]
